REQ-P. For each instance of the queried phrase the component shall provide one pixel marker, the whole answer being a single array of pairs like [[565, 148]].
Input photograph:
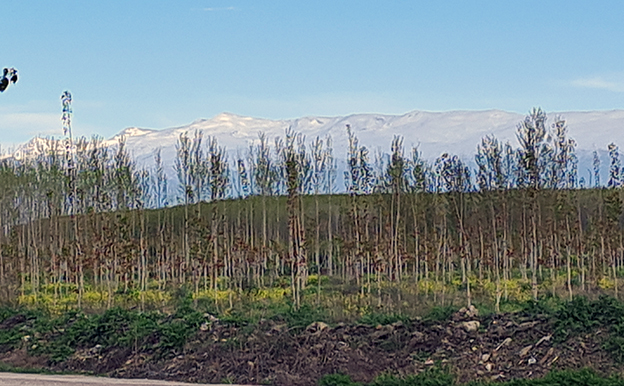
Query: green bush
[[374, 319], [11, 337], [583, 316], [615, 347], [430, 377], [337, 380], [440, 313], [584, 377], [60, 336], [441, 377], [544, 306], [303, 317]]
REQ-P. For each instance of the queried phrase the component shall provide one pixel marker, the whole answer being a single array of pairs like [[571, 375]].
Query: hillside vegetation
[[88, 237], [77, 228], [545, 343]]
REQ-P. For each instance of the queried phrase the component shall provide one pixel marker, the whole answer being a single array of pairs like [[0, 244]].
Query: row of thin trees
[[82, 215]]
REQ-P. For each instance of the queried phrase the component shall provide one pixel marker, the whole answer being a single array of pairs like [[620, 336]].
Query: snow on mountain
[[456, 132]]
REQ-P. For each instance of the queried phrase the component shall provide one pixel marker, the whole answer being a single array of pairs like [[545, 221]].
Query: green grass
[[58, 337], [337, 379], [440, 377], [582, 316], [440, 313], [379, 318], [6, 368]]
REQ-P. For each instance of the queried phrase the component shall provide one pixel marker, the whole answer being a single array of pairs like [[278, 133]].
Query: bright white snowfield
[[455, 132]]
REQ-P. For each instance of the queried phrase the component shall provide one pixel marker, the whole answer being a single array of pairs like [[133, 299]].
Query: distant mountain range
[[456, 132]]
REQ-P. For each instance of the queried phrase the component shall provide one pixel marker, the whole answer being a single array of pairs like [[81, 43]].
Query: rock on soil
[[498, 347]]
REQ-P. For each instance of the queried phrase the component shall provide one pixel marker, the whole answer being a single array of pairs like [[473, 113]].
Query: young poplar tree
[[615, 169], [490, 177], [395, 173], [330, 179], [318, 174], [455, 176], [417, 181], [219, 181], [159, 182], [564, 159], [489, 159], [265, 180], [296, 231], [596, 166], [243, 182], [198, 169], [531, 135], [182, 167], [359, 180]]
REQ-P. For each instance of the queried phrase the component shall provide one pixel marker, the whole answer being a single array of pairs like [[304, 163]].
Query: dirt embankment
[[497, 347]]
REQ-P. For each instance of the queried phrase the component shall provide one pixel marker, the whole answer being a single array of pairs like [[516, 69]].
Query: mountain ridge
[[456, 132]]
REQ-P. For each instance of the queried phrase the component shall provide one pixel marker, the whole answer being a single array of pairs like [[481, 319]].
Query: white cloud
[[612, 83], [31, 121], [21, 126], [220, 9], [20, 122]]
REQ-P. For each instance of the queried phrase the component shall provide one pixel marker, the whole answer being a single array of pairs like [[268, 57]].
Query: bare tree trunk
[[534, 258]]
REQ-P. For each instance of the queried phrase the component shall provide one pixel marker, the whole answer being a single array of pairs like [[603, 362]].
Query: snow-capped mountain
[[456, 132]]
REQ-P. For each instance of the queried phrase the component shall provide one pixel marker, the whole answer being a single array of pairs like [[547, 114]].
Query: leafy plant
[[337, 379], [583, 377], [298, 319], [374, 319], [440, 313], [430, 377], [582, 316], [615, 347]]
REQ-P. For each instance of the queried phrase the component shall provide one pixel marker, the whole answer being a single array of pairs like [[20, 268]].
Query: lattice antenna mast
[[66, 100]]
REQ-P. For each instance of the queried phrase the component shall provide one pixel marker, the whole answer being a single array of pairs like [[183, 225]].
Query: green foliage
[[303, 317], [430, 377], [420, 355], [337, 380], [374, 319], [59, 337], [11, 337], [441, 377], [615, 347], [6, 368], [544, 306], [583, 316], [313, 281], [584, 377], [440, 313], [116, 327]]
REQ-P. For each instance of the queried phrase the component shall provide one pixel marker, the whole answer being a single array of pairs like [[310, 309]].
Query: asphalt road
[[14, 379]]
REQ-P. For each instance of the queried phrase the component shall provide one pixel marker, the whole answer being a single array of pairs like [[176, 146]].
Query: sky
[[158, 64]]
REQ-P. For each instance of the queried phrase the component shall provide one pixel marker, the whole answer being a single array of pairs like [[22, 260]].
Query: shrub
[[430, 377], [440, 313], [374, 319], [337, 380], [582, 316]]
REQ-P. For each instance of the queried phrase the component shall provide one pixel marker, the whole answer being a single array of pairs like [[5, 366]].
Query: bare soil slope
[[498, 347]]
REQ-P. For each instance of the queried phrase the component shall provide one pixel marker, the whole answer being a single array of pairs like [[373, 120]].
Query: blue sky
[[159, 64]]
